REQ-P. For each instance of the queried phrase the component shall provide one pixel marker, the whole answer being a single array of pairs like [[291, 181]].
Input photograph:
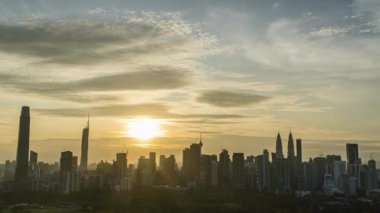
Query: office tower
[[21, 172], [84, 148], [290, 147], [66, 162], [352, 159], [152, 157], [279, 153], [75, 163], [214, 172], [69, 176], [330, 163], [299, 150], [192, 162], [372, 175], [161, 162], [144, 171], [168, 170], [120, 170], [205, 175], [291, 163], [224, 168], [262, 164], [319, 171], [33, 159], [238, 170], [338, 173]]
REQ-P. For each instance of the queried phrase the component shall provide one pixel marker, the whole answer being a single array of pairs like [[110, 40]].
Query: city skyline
[[236, 72]]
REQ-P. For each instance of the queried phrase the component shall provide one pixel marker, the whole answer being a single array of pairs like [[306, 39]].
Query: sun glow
[[144, 128]]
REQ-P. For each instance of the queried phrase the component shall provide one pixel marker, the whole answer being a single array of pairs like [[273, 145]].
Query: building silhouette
[[299, 151], [352, 159], [279, 153], [33, 160], [69, 175], [238, 179], [84, 147], [192, 163], [224, 168], [21, 172]]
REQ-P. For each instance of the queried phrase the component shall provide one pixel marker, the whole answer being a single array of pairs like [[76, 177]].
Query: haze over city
[[153, 75]]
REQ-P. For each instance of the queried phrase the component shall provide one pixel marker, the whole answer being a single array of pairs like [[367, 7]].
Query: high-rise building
[[192, 162], [299, 151], [33, 159], [168, 170], [238, 170], [224, 168], [338, 173], [152, 157], [66, 162], [262, 163], [279, 153], [205, 177], [84, 148], [319, 171], [69, 175], [290, 147], [120, 170], [352, 159], [21, 172]]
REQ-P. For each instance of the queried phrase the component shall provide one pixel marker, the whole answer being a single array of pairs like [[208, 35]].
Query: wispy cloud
[[225, 98]]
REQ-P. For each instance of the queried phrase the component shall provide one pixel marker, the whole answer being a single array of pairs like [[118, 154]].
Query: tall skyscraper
[[352, 159], [299, 151], [33, 159], [69, 175], [279, 153], [290, 146], [224, 168], [66, 162], [262, 164], [21, 172], [238, 170], [192, 162], [84, 150]]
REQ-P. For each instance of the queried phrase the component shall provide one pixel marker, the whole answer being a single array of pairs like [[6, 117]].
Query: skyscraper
[[279, 153], [224, 168], [299, 151], [21, 172], [66, 162], [238, 170], [33, 159], [69, 175], [352, 159], [192, 162], [290, 147], [84, 150]]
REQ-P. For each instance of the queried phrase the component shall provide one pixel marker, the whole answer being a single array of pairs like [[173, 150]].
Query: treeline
[[160, 200]]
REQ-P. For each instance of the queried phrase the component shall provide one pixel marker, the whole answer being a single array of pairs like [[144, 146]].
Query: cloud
[[150, 78], [89, 39], [150, 109], [222, 98]]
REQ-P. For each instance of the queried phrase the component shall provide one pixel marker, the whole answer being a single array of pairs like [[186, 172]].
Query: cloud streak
[[148, 109], [222, 98]]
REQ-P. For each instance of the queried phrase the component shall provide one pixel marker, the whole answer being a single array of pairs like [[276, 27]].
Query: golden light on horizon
[[144, 128]]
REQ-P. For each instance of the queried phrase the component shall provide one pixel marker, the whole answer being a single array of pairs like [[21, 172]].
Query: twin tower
[[22, 158], [279, 154]]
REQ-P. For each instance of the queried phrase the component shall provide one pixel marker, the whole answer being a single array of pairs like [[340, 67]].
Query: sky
[[236, 71]]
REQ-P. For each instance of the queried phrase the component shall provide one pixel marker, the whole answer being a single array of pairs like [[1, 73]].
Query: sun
[[144, 128]]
